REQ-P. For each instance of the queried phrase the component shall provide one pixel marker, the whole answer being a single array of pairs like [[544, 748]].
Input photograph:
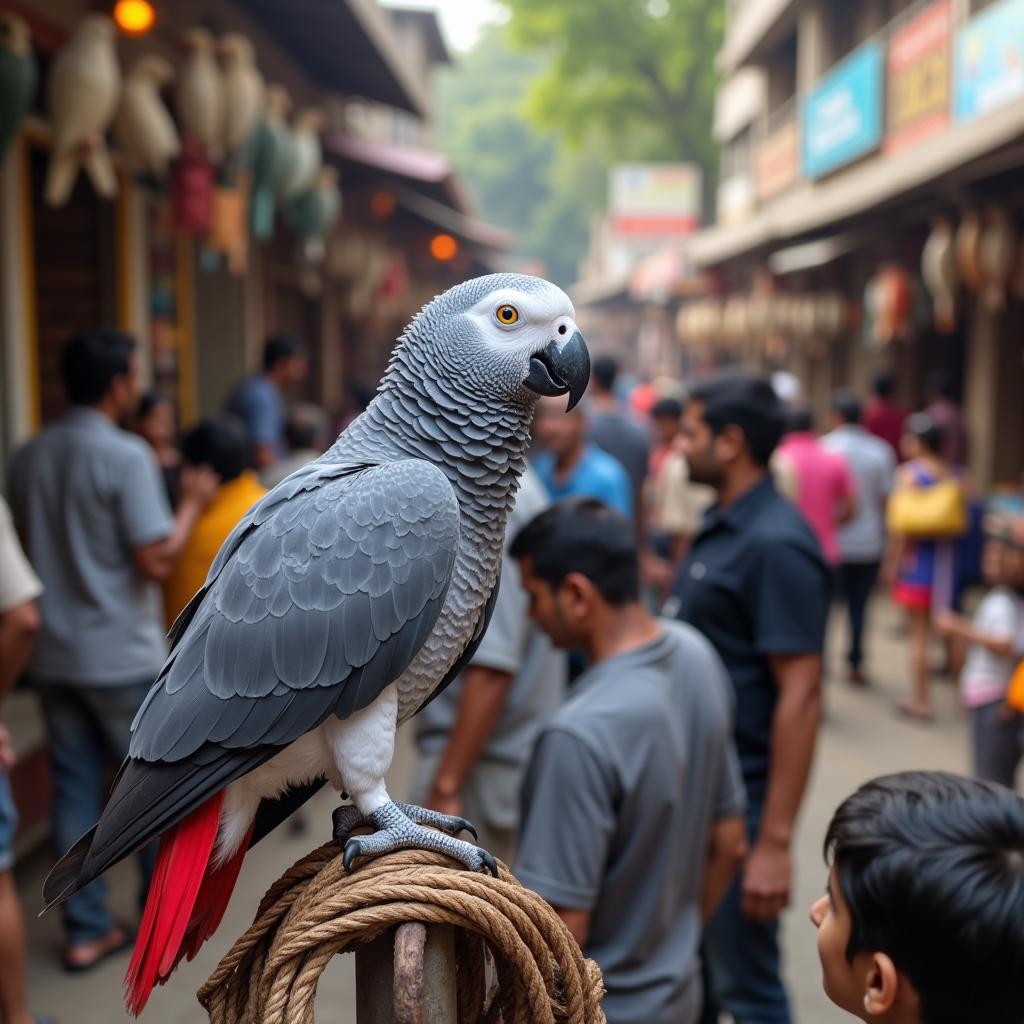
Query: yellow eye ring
[[506, 315]]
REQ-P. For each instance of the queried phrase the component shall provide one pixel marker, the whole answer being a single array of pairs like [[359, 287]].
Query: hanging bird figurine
[[143, 128], [315, 212], [200, 93], [19, 75], [308, 156], [244, 96], [83, 91], [938, 268], [273, 149]]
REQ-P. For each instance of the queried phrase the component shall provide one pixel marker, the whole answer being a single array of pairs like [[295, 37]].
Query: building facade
[[870, 208]]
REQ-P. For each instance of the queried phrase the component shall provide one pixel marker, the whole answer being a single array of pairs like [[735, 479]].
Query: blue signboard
[[843, 114], [989, 69]]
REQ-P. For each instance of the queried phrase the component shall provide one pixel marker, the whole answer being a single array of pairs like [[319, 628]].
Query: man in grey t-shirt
[[90, 506], [633, 801], [474, 740]]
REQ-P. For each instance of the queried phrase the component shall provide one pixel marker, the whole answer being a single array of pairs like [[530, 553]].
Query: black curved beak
[[561, 369]]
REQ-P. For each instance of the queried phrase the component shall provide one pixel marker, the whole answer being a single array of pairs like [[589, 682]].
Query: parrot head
[[198, 40], [153, 68], [235, 49], [15, 37], [505, 337], [95, 28]]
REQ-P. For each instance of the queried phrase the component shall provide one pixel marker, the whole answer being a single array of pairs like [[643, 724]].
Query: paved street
[[861, 738]]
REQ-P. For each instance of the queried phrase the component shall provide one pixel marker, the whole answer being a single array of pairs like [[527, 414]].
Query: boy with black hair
[[923, 922], [632, 803]]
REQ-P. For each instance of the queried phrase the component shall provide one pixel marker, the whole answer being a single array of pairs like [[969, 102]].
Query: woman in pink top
[[824, 487]]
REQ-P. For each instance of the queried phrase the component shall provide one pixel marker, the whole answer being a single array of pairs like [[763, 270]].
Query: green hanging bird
[[18, 75], [273, 153], [315, 212]]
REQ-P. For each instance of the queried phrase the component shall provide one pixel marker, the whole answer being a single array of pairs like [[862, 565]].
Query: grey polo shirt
[[85, 493], [624, 786], [513, 645]]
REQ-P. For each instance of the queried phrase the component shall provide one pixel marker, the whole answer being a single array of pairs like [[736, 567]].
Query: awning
[[468, 228], [403, 161], [346, 46], [818, 253]]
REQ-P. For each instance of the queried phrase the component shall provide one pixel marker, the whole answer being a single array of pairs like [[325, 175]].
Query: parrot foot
[[435, 819], [396, 830], [346, 818]]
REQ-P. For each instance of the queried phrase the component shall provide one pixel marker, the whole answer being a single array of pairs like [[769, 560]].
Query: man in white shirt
[[862, 539]]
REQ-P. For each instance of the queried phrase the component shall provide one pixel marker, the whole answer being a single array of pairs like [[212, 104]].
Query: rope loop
[[317, 910]]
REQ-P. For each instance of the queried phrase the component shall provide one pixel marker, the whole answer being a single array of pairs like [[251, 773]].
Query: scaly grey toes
[[435, 819], [397, 831], [346, 818]]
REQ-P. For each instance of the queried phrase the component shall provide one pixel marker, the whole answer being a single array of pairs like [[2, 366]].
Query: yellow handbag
[[926, 513]]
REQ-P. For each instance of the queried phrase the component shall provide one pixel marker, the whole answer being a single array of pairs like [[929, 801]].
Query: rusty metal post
[[407, 976]]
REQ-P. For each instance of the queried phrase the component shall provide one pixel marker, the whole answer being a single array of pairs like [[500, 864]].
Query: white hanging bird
[[199, 93], [244, 91], [306, 129], [83, 90], [144, 130]]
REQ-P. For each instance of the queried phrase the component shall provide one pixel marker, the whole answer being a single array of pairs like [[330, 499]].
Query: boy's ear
[[886, 988]]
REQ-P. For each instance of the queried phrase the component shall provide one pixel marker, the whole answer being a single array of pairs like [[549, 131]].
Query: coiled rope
[[317, 910]]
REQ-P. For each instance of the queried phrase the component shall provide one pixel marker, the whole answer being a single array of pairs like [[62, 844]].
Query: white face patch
[[528, 320]]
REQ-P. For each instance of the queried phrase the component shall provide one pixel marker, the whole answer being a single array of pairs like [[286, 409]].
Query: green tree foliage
[[640, 74], [519, 177]]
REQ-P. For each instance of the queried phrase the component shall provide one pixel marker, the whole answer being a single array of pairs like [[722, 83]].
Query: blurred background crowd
[[791, 230]]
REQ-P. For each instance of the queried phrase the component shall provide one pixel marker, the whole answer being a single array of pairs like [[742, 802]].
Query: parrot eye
[[507, 315]]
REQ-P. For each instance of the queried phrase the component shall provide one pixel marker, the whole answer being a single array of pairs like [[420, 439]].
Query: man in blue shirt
[[572, 467], [259, 403], [756, 585]]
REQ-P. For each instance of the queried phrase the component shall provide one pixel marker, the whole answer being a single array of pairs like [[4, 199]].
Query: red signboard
[[919, 77]]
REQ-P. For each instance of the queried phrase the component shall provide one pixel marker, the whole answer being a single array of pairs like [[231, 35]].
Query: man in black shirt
[[756, 585]]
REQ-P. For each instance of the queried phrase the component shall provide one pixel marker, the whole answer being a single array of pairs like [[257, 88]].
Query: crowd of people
[[636, 730]]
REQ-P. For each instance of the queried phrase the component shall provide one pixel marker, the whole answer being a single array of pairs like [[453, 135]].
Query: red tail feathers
[[187, 899]]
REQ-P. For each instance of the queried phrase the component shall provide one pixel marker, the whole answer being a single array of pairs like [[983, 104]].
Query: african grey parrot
[[346, 598]]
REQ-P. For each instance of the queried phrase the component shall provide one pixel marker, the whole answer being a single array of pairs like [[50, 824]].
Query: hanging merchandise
[[938, 268], [199, 94], [829, 315], [244, 100], [143, 129], [734, 318], [19, 76], [228, 230], [892, 304], [307, 156], [273, 153], [83, 91], [997, 256], [193, 190], [968, 252], [315, 212]]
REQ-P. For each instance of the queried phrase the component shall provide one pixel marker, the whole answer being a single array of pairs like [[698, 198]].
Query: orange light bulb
[[134, 17], [443, 248]]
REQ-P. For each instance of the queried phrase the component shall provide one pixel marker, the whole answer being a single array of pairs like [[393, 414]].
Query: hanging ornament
[[228, 230], [83, 92], [997, 255], [273, 153], [938, 268], [968, 256], [199, 93], [193, 190], [245, 99], [143, 129], [19, 75], [315, 212]]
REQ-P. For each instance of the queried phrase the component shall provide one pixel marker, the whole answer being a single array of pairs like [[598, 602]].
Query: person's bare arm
[[767, 874], [484, 692], [727, 849], [199, 485], [950, 624], [577, 921], [847, 510], [18, 628]]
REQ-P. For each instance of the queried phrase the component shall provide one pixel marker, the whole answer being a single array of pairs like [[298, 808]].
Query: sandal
[[126, 941]]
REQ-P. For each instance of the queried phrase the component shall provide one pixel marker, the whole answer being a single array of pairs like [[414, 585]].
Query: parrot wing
[[318, 600]]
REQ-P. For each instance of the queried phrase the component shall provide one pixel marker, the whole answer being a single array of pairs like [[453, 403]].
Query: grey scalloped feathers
[[341, 603], [83, 91], [19, 76]]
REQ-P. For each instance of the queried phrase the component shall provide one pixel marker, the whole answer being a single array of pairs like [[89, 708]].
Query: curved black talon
[[465, 825], [489, 862], [352, 850]]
